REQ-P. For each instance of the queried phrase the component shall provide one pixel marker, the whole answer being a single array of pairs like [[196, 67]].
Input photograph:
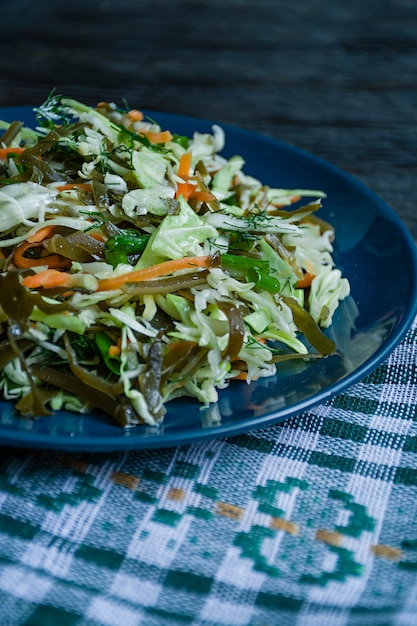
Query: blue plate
[[373, 249]]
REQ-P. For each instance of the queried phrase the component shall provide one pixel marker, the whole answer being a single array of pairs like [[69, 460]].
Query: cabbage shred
[[108, 184]]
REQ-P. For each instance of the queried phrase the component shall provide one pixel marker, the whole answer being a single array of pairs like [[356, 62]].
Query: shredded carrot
[[241, 376], [184, 165], [48, 279], [157, 136], [21, 261], [190, 190], [135, 115], [114, 350], [281, 205], [185, 190], [70, 186], [97, 237], [305, 282], [202, 195], [9, 151], [190, 187], [34, 241], [154, 271], [41, 234]]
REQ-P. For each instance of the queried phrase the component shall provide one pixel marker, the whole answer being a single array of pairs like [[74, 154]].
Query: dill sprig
[[256, 217], [53, 112], [141, 139]]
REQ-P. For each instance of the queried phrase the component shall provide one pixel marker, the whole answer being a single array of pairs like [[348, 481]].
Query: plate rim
[[110, 443]]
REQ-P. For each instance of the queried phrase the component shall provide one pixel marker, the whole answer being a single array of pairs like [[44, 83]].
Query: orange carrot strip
[[69, 186], [280, 205], [184, 189], [241, 376], [114, 351], [135, 115], [188, 190], [203, 195], [43, 233], [21, 261], [97, 237], [154, 271], [305, 282], [6, 152], [184, 165], [157, 136], [48, 279]]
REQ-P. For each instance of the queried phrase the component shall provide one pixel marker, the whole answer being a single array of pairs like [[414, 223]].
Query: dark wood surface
[[338, 79]]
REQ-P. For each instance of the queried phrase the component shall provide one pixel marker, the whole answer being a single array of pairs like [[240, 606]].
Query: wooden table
[[335, 78], [309, 522]]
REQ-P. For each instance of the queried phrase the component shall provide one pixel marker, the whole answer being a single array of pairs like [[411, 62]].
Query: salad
[[138, 265]]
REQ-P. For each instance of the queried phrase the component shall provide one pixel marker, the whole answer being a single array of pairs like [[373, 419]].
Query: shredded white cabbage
[[165, 270]]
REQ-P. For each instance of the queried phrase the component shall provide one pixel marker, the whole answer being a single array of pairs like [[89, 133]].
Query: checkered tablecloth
[[309, 523]]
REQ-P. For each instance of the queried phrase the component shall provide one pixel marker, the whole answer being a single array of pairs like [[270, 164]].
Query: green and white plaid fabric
[[309, 523]]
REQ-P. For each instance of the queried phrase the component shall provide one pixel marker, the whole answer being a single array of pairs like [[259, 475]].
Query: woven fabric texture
[[308, 523]]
